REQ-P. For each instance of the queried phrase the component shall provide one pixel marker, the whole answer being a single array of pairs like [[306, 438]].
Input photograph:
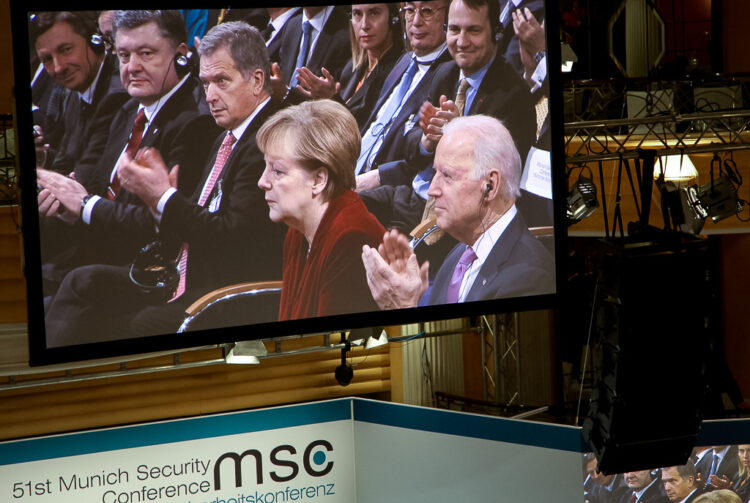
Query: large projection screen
[[116, 264]]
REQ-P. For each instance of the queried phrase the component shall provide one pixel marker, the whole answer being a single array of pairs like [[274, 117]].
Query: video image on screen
[[283, 169], [712, 474]]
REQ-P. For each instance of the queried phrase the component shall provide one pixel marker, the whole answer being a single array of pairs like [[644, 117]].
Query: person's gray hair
[[685, 471], [244, 43], [493, 148]]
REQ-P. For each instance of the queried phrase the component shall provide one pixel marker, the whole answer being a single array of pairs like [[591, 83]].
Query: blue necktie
[[714, 466], [302, 56], [379, 129]]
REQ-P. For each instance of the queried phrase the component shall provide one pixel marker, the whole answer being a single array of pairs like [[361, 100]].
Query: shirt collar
[[88, 95], [686, 497], [319, 19], [486, 242], [240, 130], [280, 21], [430, 58], [475, 79], [638, 494], [153, 109]]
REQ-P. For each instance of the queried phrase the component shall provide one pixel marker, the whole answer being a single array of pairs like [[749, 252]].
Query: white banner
[[306, 463]]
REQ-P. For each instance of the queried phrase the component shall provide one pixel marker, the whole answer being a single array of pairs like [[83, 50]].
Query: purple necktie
[[459, 272]]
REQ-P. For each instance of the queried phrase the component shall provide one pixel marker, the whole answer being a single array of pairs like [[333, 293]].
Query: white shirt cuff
[[162, 203], [88, 208]]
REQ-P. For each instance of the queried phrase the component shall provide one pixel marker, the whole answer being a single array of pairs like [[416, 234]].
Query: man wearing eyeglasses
[[476, 81], [396, 111]]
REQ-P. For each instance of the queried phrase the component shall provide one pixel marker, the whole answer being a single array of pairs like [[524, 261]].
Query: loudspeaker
[[654, 315]]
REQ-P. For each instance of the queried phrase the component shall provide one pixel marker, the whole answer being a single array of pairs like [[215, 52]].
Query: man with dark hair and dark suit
[[477, 81], [213, 230], [281, 18], [644, 488], [166, 111], [510, 44], [601, 488], [477, 172], [680, 483], [318, 41], [719, 467], [73, 54], [536, 184]]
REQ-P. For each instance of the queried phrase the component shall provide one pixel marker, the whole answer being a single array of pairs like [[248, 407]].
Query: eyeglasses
[[426, 13]]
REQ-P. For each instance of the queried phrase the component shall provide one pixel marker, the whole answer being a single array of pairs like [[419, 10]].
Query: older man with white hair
[[476, 183]]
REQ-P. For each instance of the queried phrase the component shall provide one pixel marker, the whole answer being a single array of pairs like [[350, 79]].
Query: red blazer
[[330, 279]]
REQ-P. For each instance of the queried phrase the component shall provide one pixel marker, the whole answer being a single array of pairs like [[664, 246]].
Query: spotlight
[[716, 199], [245, 352], [582, 200]]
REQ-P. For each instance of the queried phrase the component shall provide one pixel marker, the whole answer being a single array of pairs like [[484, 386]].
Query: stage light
[[676, 168], [245, 352], [582, 200], [567, 56], [716, 199]]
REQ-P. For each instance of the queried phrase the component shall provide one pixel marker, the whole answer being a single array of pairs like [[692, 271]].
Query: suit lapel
[[390, 83], [290, 47], [497, 257]]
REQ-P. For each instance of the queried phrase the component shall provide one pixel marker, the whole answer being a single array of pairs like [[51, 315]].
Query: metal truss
[[500, 359], [606, 120], [668, 134]]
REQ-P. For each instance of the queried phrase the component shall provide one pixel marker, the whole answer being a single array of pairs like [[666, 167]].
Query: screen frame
[[40, 354]]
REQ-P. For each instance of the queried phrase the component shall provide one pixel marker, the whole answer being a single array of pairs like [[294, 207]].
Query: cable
[[586, 353]]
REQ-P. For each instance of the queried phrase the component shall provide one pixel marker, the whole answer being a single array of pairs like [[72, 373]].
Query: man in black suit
[[536, 184], [644, 488], [510, 44], [496, 256], [215, 230], [318, 41], [601, 488], [483, 83], [73, 54], [719, 467], [109, 225], [680, 483], [281, 18]]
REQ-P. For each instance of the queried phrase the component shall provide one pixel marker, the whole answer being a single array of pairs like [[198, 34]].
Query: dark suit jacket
[[653, 494], [729, 466], [509, 41], [183, 132], [274, 48], [502, 94], [518, 265], [394, 144], [330, 279], [79, 118], [234, 241], [602, 494], [361, 102], [332, 49]]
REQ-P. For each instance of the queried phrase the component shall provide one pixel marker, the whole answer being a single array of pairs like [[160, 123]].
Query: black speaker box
[[654, 308]]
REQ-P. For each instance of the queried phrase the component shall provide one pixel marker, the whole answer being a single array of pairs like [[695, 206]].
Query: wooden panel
[[187, 392]]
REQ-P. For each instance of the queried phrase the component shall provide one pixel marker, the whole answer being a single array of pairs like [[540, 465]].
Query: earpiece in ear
[[181, 64], [488, 189], [97, 42]]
